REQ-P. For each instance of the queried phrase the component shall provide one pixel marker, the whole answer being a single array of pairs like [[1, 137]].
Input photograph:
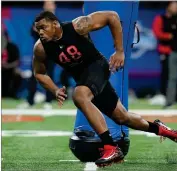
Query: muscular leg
[[121, 116], [82, 97]]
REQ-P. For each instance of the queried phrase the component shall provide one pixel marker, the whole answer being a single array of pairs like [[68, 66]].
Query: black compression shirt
[[73, 52]]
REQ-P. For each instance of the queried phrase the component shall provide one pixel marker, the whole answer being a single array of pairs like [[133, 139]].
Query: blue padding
[[104, 42]]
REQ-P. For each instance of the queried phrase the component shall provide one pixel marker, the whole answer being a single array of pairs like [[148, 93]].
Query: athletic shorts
[[96, 78]]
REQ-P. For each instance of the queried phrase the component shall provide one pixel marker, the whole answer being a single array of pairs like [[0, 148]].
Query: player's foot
[[166, 131], [110, 154]]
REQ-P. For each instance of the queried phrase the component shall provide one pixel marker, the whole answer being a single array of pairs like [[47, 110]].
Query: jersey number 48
[[71, 53]]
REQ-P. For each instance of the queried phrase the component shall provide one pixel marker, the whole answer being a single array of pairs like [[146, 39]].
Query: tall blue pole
[[128, 11]]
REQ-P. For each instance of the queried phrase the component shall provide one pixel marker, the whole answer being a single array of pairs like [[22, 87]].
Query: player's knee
[[81, 95]]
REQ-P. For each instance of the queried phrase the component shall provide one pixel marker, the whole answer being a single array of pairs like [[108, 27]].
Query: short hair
[[46, 15]]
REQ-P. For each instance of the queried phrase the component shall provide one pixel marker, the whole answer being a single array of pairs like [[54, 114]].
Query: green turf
[[44, 153], [8, 103], [143, 104], [37, 154], [63, 123], [137, 104]]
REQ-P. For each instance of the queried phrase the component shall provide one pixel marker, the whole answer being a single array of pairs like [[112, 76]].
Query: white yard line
[[72, 112], [168, 112], [35, 133], [90, 166], [148, 134], [69, 160], [42, 112], [43, 133]]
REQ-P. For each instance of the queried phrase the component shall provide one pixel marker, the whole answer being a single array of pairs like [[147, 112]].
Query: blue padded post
[[104, 42]]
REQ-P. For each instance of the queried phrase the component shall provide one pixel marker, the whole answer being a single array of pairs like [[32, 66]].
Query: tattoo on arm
[[82, 25], [97, 20]]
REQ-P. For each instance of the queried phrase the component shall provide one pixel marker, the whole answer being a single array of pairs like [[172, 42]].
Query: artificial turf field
[[36, 152], [8, 103]]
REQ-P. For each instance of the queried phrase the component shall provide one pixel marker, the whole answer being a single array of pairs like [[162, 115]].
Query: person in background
[[11, 79], [162, 28], [172, 65], [47, 6], [3, 39]]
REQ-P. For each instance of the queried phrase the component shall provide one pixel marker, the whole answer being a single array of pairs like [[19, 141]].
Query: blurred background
[[148, 65], [28, 111]]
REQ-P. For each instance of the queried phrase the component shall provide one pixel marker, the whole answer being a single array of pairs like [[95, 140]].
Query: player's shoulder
[[67, 25], [39, 49], [38, 46]]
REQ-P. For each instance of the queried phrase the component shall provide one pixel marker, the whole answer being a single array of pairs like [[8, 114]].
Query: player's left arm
[[97, 20]]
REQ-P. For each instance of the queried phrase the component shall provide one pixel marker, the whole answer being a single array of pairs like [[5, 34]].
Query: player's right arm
[[40, 73], [97, 20]]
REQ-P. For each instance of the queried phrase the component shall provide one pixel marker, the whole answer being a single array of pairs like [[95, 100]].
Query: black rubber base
[[87, 149]]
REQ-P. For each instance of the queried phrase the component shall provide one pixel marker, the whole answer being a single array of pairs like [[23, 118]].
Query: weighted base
[[87, 149]]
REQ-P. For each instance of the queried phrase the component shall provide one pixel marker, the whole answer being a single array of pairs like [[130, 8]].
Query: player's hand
[[61, 95], [116, 61]]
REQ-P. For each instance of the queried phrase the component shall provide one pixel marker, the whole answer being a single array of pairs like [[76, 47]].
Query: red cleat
[[110, 154], [166, 131]]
